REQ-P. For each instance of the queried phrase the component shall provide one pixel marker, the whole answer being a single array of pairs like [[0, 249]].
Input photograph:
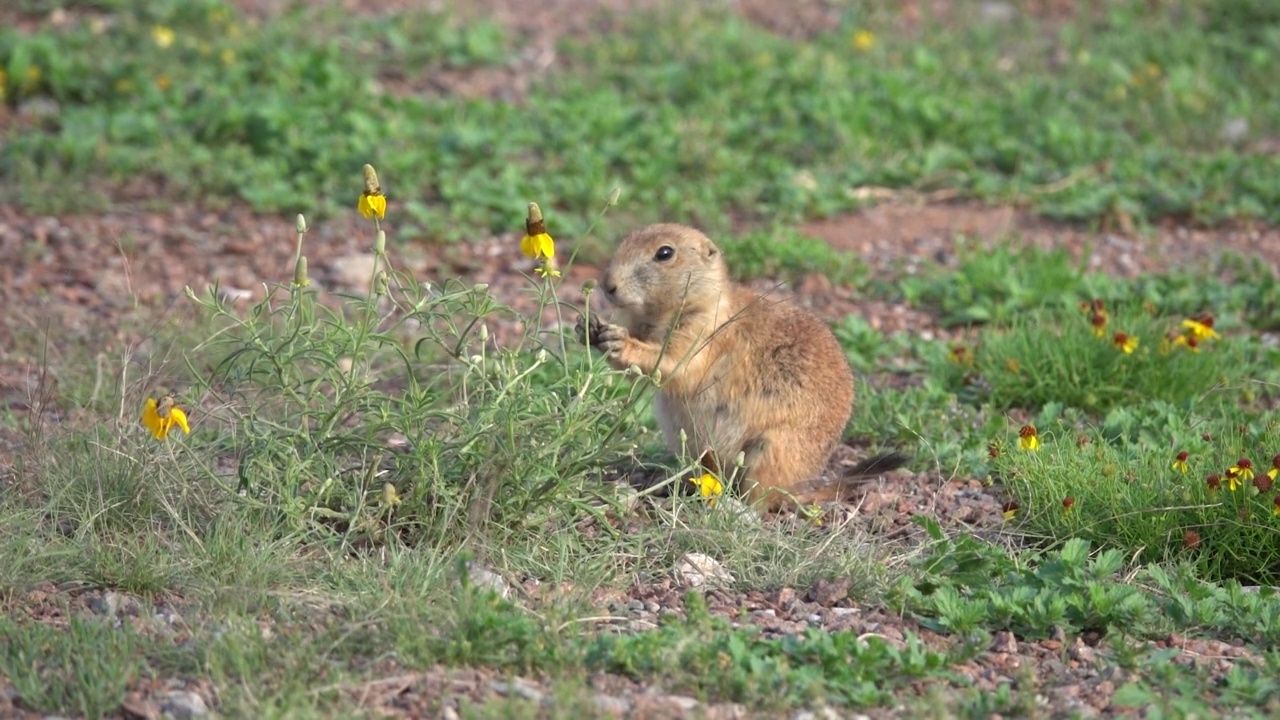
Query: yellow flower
[[161, 417], [1099, 322], [162, 35], [1191, 342], [864, 40], [538, 247], [1275, 505], [4, 81], [1200, 329], [228, 56], [373, 204], [1233, 479], [1180, 462], [1010, 510], [1125, 343], [708, 486], [1028, 438], [1243, 468], [1275, 467], [537, 244], [961, 355]]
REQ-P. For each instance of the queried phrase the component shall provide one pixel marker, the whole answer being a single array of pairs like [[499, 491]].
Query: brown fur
[[740, 372]]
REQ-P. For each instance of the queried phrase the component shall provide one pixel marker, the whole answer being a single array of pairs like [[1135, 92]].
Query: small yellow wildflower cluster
[[1241, 473], [1195, 331], [1099, 320], [538, 245], [162, 416]]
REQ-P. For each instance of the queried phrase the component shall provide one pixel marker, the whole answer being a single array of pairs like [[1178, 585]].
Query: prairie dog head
[[663, 270]]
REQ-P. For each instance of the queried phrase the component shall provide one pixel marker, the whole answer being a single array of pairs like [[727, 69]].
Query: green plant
[[1129, 492], [1097, 361], [85, 667], [312, 396], [704, 654]]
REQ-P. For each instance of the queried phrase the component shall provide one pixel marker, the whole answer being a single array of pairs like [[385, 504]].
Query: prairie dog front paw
[[611, 340]]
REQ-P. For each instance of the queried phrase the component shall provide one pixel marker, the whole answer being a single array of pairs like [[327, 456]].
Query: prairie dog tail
[[842, 487]]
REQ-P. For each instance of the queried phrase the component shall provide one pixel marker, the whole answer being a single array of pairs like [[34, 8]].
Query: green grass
[[358, 462], [694, 113]]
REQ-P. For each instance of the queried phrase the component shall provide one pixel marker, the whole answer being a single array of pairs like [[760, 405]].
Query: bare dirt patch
[[909, 236]]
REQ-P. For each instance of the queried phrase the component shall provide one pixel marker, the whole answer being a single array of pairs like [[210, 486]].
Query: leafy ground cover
[[407, 490]]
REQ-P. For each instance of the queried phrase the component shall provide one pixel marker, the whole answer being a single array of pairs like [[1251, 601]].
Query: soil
[[115, 276]]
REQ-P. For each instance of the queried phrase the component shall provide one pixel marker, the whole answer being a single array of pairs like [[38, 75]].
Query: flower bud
[[740, 459], [484, 333], [479, 288], [541, 357], [371, 186], [300, 279], [380, 282], [300, 224], [614, 194], [533, 224], [475, 360], [390, 497], [379, 242], [657, 376]]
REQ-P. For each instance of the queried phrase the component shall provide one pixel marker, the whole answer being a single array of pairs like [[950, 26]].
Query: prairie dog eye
[[666, 252]]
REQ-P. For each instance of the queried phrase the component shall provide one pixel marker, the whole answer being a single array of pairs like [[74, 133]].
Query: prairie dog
[[740, 371]]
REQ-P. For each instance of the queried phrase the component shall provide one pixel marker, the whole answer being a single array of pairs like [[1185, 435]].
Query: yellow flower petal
[[152, 421], [372, 205], [538, 247], [1200, 330], [176, 415], [708, 486], [160, 424]]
